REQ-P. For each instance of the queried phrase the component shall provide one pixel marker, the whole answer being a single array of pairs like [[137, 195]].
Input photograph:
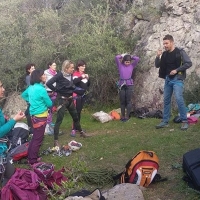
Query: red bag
[[192, 120], [19, 152]]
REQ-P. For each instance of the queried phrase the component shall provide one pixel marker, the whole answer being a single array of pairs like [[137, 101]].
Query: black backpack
[[18, 135], [191, 167]]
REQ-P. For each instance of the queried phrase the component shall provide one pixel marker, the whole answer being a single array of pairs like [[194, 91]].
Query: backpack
[[191, 167], [19, 152], [19, 135], [48, 175], [140, 112], [115, 115], [23, 185], [141, 169]]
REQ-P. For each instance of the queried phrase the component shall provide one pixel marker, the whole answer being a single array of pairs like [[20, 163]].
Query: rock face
[[181, 19], [13, 104], [125, 191]]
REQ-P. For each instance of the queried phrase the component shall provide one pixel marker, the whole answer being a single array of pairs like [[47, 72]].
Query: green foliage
[[112, 144], [75, 181], [192, 94], [41, 31], [97, 42]]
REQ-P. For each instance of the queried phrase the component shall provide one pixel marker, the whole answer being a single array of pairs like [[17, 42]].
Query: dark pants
[[125, 96], [69, 105], [28, 118], [36, 141], [79, 103]]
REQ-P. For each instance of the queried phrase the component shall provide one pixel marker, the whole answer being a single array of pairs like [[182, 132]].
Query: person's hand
[[83, 76], [86, 76], [19, 116], [123, 54], [159, 53], [173, 72]]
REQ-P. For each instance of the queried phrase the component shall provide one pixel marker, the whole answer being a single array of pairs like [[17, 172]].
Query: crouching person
[[40, 101], [6, 168]]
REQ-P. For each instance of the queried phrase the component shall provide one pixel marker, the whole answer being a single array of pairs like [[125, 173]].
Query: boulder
[[13, 104], [124, 191]]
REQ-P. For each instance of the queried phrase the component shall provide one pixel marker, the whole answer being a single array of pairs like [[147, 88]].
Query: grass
[[112, 144]]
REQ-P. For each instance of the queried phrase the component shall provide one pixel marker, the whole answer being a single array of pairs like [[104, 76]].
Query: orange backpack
[[115, 115], [141, 169]]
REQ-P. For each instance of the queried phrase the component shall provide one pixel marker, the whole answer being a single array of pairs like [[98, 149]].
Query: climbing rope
[[99, 177]]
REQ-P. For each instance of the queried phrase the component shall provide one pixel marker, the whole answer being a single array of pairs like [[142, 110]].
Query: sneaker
[[73, 133], [124, 119], [83, 134], [162, 125], [184, 126], [56, 144]]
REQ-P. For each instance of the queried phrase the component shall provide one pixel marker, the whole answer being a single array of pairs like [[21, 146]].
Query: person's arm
[[76, 79], [6, 127], [117, 60], [53, 80], [158, 58], [25, 96], [28, 77], [88, 83], [46, 98], [135, 60], [186, 62]]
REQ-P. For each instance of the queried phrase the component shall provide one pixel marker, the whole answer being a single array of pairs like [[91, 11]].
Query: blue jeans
[[176, 86]]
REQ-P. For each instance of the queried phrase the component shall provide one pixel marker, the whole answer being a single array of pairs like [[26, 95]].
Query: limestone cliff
[[180, 18]]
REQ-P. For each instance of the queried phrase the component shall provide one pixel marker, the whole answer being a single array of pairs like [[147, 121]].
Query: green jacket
[[5, 127], [38, 98]]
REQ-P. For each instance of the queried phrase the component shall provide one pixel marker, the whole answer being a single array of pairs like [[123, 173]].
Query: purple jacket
[[125, 72]]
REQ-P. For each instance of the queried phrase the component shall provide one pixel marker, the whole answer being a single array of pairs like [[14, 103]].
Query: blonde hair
[[66, 64]]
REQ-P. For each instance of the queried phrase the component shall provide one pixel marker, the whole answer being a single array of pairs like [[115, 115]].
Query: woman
[[65, 88], [82, 82], [50, 72], [6, 168], [126, 64], [39, 100], [30, 67]]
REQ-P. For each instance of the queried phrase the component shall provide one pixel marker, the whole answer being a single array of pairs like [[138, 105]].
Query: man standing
[[172, 64]]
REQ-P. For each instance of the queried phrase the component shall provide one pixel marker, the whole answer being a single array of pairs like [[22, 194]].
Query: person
[[6, 168], [65, 88], [172, 64], [126, 64], [30, 67], [82, 82], [50, 72], [39, 101]]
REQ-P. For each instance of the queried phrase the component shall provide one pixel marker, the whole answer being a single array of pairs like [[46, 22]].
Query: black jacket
[[63, 86], [183, 63]]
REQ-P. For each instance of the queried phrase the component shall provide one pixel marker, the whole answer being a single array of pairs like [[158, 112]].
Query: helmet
[[74, 146]]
